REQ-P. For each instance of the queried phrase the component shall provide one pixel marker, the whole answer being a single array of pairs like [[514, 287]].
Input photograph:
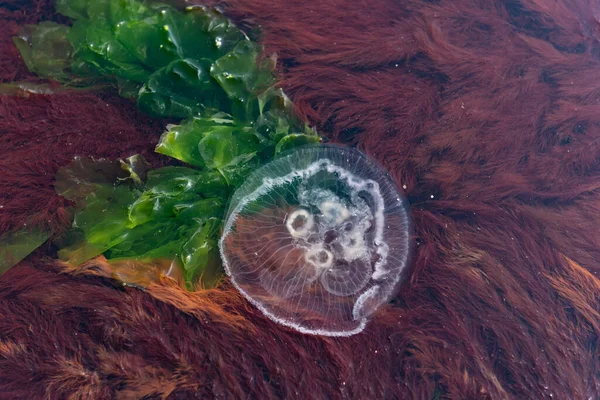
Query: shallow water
[[485, 116]]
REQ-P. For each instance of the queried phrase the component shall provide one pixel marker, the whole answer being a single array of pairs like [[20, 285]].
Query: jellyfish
[[317, 239]]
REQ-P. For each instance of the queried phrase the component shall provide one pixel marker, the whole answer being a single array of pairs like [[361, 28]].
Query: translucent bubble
[[317, 240]]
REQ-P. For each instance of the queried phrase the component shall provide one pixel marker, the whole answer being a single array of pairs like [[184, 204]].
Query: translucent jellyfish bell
[[317, 240]]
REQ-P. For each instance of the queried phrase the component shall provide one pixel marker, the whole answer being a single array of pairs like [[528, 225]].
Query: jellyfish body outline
[[326, 158]]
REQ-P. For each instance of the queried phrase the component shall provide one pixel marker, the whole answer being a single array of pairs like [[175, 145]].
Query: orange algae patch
[[163, 280]]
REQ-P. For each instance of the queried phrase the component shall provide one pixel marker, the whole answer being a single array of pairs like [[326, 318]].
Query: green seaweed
[[45, 49], [191, 64], [15, 246], [164, 216], [174, 63]]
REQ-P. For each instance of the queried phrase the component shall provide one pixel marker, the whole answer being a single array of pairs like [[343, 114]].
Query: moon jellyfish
[[317, 240]]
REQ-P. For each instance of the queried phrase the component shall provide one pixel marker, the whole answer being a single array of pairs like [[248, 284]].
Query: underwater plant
[[193, 64], [317, 239]]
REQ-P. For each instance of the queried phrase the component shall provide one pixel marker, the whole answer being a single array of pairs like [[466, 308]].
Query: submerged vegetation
[[191, 64]]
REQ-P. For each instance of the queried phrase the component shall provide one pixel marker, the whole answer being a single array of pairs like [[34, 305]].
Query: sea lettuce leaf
[[232, 147], [97, 52], [171, 190], [194, 65], [236, 71], [201, 252], [45, 49], [15, 246], [165, 216], [182, 89], [160, 56]]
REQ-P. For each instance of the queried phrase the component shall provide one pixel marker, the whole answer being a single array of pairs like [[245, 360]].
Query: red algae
[[486, 113]]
